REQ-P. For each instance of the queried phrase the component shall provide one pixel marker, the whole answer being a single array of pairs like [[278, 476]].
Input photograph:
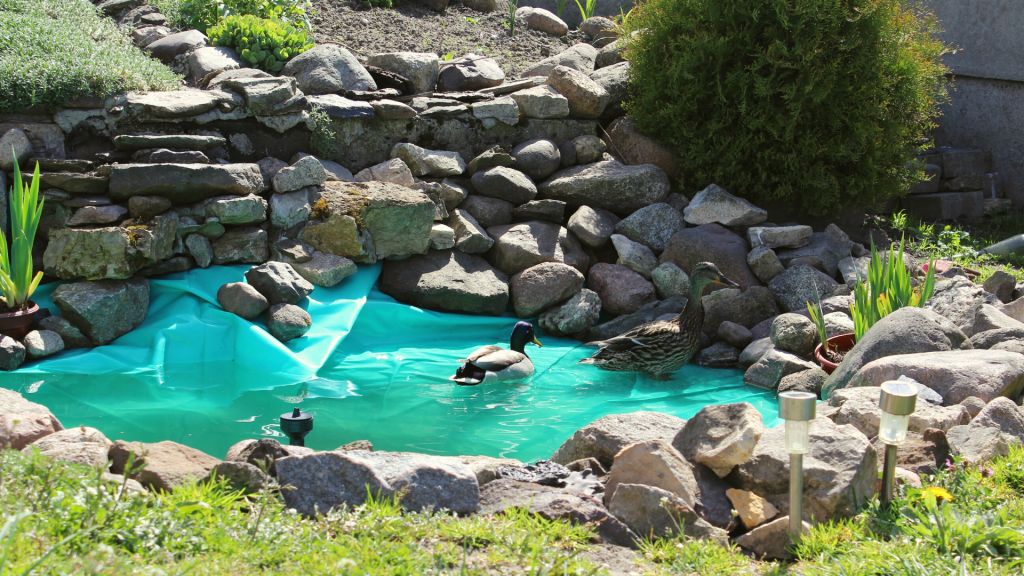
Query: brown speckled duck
[[661, 347]]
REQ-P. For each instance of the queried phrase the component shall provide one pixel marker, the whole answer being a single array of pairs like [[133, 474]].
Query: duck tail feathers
[[469, 375]]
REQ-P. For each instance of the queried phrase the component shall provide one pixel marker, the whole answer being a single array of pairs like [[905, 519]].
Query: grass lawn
[[59, 518], [55, 50]]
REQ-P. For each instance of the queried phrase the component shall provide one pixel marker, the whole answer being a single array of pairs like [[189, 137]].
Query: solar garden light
[[898, 401], [296, 425], [797, 409]]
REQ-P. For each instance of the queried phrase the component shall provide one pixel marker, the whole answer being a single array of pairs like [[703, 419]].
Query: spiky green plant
[[16, 280], [818, 317], [887, 288]]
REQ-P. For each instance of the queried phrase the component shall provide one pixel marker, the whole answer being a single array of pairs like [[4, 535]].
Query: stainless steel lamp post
[[797, 409], [898, 401]]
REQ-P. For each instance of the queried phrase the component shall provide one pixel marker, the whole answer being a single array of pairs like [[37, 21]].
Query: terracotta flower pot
[[842, 343], [18, 324]]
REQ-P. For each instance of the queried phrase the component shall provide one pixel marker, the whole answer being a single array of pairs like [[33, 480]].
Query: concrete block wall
[[987, 108]]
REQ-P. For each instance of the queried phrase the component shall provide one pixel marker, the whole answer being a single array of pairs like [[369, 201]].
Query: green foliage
[[887, 288], [818, 317], [59, 518], [990, 533], [560, 5], [513, 6], [322, 140], [16, 280], [264, 44], [52, 51], [819, 103], [685, 556], [204, 14], [587, 8]]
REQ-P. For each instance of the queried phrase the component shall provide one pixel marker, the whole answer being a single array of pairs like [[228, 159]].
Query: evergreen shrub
[[819, 103]]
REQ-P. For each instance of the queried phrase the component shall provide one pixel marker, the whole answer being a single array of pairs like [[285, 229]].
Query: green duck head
[[706, 273], [522, 335]]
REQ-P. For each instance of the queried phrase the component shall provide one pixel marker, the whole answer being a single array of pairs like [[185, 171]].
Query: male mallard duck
[[495, 364], [661, 347]]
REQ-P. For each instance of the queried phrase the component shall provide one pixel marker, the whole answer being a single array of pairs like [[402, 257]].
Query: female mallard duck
[[495, 364], [661, 347]]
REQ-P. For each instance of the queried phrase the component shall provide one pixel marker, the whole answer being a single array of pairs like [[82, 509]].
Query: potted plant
[[887, 288], [16, 280]]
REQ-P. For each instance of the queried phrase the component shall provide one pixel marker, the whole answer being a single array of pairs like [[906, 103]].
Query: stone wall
[[987, 108]]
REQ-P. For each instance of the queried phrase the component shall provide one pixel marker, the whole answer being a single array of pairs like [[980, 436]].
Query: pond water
[[370, 368]]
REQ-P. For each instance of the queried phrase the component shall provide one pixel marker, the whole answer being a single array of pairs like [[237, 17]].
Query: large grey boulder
[[748, 309], [670, 280], [765, 264], [110, 252], [614, 79], [287, 210], [104, 309], [779, 236], [652, 225], [539, 287], [71, 336], [325, 269], [469, 73], [244, 245], [327, 69], [166, 48], [714, 205], [579, 57], [955, 375], [773, 366], [418, 67], [656, 513], [587, 99], [541, 102], [634, 255], [488, 211], [164, 465], [505, 183], [653, 463], [592, 227], [323, 481], [425, 482], [609, 185], [711, 243], [829, 248], [520, 246], [537, 158], [42, 343], [15, 140], [78, 445], [242, 299], [622, 290], [307, 171], [859, 407], [801, 284], [721, 436], [213, 59], [249, 209], [905, 331], [279, 283], [605, 437], [423, 162], [365, 221], [794, 333], [987, 318], [958, 299], [771, 541], [556, 504], [447, 280], [990, 434], [184, 183], [470, 236], [23, 422], [574, 317], [840, 471]]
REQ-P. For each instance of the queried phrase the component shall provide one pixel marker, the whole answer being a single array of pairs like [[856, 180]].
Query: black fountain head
[[296, 425]]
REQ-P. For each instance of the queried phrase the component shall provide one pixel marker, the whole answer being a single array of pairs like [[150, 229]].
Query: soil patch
[[413, 28]]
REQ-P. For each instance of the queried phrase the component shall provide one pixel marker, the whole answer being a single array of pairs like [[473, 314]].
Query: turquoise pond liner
[[370, 368]]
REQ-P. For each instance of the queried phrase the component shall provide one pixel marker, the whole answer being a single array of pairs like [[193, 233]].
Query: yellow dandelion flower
[[939, 493]]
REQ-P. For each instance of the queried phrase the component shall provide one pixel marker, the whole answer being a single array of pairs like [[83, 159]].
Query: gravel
[[414, 28]]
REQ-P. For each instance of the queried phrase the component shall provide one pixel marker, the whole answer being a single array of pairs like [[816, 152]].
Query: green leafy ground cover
[[57, 518], [55, 50], [962, 243]]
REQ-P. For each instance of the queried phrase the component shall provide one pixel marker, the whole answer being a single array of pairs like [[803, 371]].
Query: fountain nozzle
[[296, 425]]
